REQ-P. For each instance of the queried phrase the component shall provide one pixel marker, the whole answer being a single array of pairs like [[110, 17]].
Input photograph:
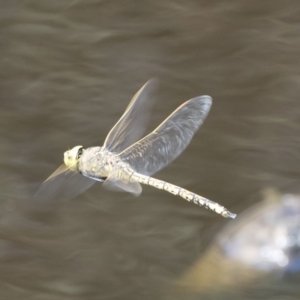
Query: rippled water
[[67, 71]]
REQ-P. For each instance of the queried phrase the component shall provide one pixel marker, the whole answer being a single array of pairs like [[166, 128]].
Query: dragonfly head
[[72, 156]]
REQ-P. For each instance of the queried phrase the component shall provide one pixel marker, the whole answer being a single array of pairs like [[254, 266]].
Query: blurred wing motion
[[113, 183], [169, 139], [133, 122], [63, 183], [61, 169]]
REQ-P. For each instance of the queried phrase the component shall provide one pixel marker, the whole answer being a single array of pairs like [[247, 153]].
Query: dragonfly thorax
[[98, 162]]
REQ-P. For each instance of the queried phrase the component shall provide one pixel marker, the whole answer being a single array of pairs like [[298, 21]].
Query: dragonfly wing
[[133, 122], [61, 169], [169, 139], [63, 184], [117, 185]]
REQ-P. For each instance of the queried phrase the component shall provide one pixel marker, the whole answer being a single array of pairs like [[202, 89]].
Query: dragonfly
[[125, 161]]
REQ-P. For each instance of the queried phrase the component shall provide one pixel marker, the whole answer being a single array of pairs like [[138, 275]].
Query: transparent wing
[[169, 139], [133, 122], [114, 183], [117, 185], [63, 184]]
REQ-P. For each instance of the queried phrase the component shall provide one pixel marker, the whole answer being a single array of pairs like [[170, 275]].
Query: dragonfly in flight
[[124, 162]]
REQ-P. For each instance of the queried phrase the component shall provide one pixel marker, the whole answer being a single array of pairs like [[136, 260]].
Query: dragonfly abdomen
[[183, 193]]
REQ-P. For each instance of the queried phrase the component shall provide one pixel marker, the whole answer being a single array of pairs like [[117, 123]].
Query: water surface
[[68, 70]]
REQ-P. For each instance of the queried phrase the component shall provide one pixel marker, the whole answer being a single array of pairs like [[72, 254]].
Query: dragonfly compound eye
[[79, 153]]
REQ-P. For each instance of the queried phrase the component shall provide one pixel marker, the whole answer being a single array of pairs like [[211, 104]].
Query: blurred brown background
[[68, 70]]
